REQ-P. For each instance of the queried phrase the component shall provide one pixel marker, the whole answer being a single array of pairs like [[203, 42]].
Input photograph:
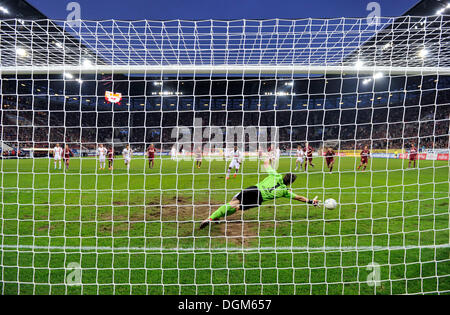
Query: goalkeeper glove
[[315, 202]]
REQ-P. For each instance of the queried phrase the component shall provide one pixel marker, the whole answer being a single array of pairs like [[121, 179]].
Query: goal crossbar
[[224, 69]]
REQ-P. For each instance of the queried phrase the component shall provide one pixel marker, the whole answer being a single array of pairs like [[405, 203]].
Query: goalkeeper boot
[[205, 223]]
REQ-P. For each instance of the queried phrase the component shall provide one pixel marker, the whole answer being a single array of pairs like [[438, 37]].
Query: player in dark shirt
[[329, 156], [110, 158], [364, 158], [151, 151], [412, 156], [67, 153], [309, 155]]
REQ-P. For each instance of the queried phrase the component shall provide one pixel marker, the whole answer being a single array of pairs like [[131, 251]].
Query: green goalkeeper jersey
[[273, 187]]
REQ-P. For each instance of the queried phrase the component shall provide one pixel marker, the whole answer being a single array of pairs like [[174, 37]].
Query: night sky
[[219, 9]]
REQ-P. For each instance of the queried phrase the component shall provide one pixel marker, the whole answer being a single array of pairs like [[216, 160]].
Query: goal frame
[[225, 69]]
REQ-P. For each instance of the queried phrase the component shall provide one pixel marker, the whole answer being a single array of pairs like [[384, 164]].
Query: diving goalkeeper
[[273, 186]]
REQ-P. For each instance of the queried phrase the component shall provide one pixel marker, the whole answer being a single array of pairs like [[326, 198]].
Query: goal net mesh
[[195, 92]]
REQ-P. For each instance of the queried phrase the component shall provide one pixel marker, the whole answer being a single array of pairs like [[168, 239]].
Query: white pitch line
[[224, 249], [93, 191]]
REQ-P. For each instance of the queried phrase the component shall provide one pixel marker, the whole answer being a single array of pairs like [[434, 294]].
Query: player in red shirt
[[110, 158], [151, 152], [364, 158], [412, 156], [309, 155], [67, 153], [329, 156]]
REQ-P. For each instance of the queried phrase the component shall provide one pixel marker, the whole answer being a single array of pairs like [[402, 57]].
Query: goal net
[[119, 138]]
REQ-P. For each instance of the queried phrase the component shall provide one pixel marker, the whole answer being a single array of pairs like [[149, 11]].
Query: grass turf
[[283, 247]]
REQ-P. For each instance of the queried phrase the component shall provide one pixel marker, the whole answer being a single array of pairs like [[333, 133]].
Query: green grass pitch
[[137, 232]]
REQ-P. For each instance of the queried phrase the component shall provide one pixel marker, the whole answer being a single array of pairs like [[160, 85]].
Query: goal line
[[223, 249]]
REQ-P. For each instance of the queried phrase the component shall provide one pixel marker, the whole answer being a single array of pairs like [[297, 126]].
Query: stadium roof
[[426, 8], [19, 9], [28, 37], [418, 38]]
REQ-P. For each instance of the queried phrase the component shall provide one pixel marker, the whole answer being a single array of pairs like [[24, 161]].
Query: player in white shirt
[[57, 155], [274, 156], [222, 154], [101, 152], [198, 156], [271, 154], [173, 153], [300, 158], [235, 162], [277, 154], [127, 153]]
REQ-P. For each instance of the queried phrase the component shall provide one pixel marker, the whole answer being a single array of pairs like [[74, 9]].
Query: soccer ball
[[330, 203]]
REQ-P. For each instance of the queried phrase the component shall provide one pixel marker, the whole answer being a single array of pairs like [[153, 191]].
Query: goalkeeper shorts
[[250, 198]]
